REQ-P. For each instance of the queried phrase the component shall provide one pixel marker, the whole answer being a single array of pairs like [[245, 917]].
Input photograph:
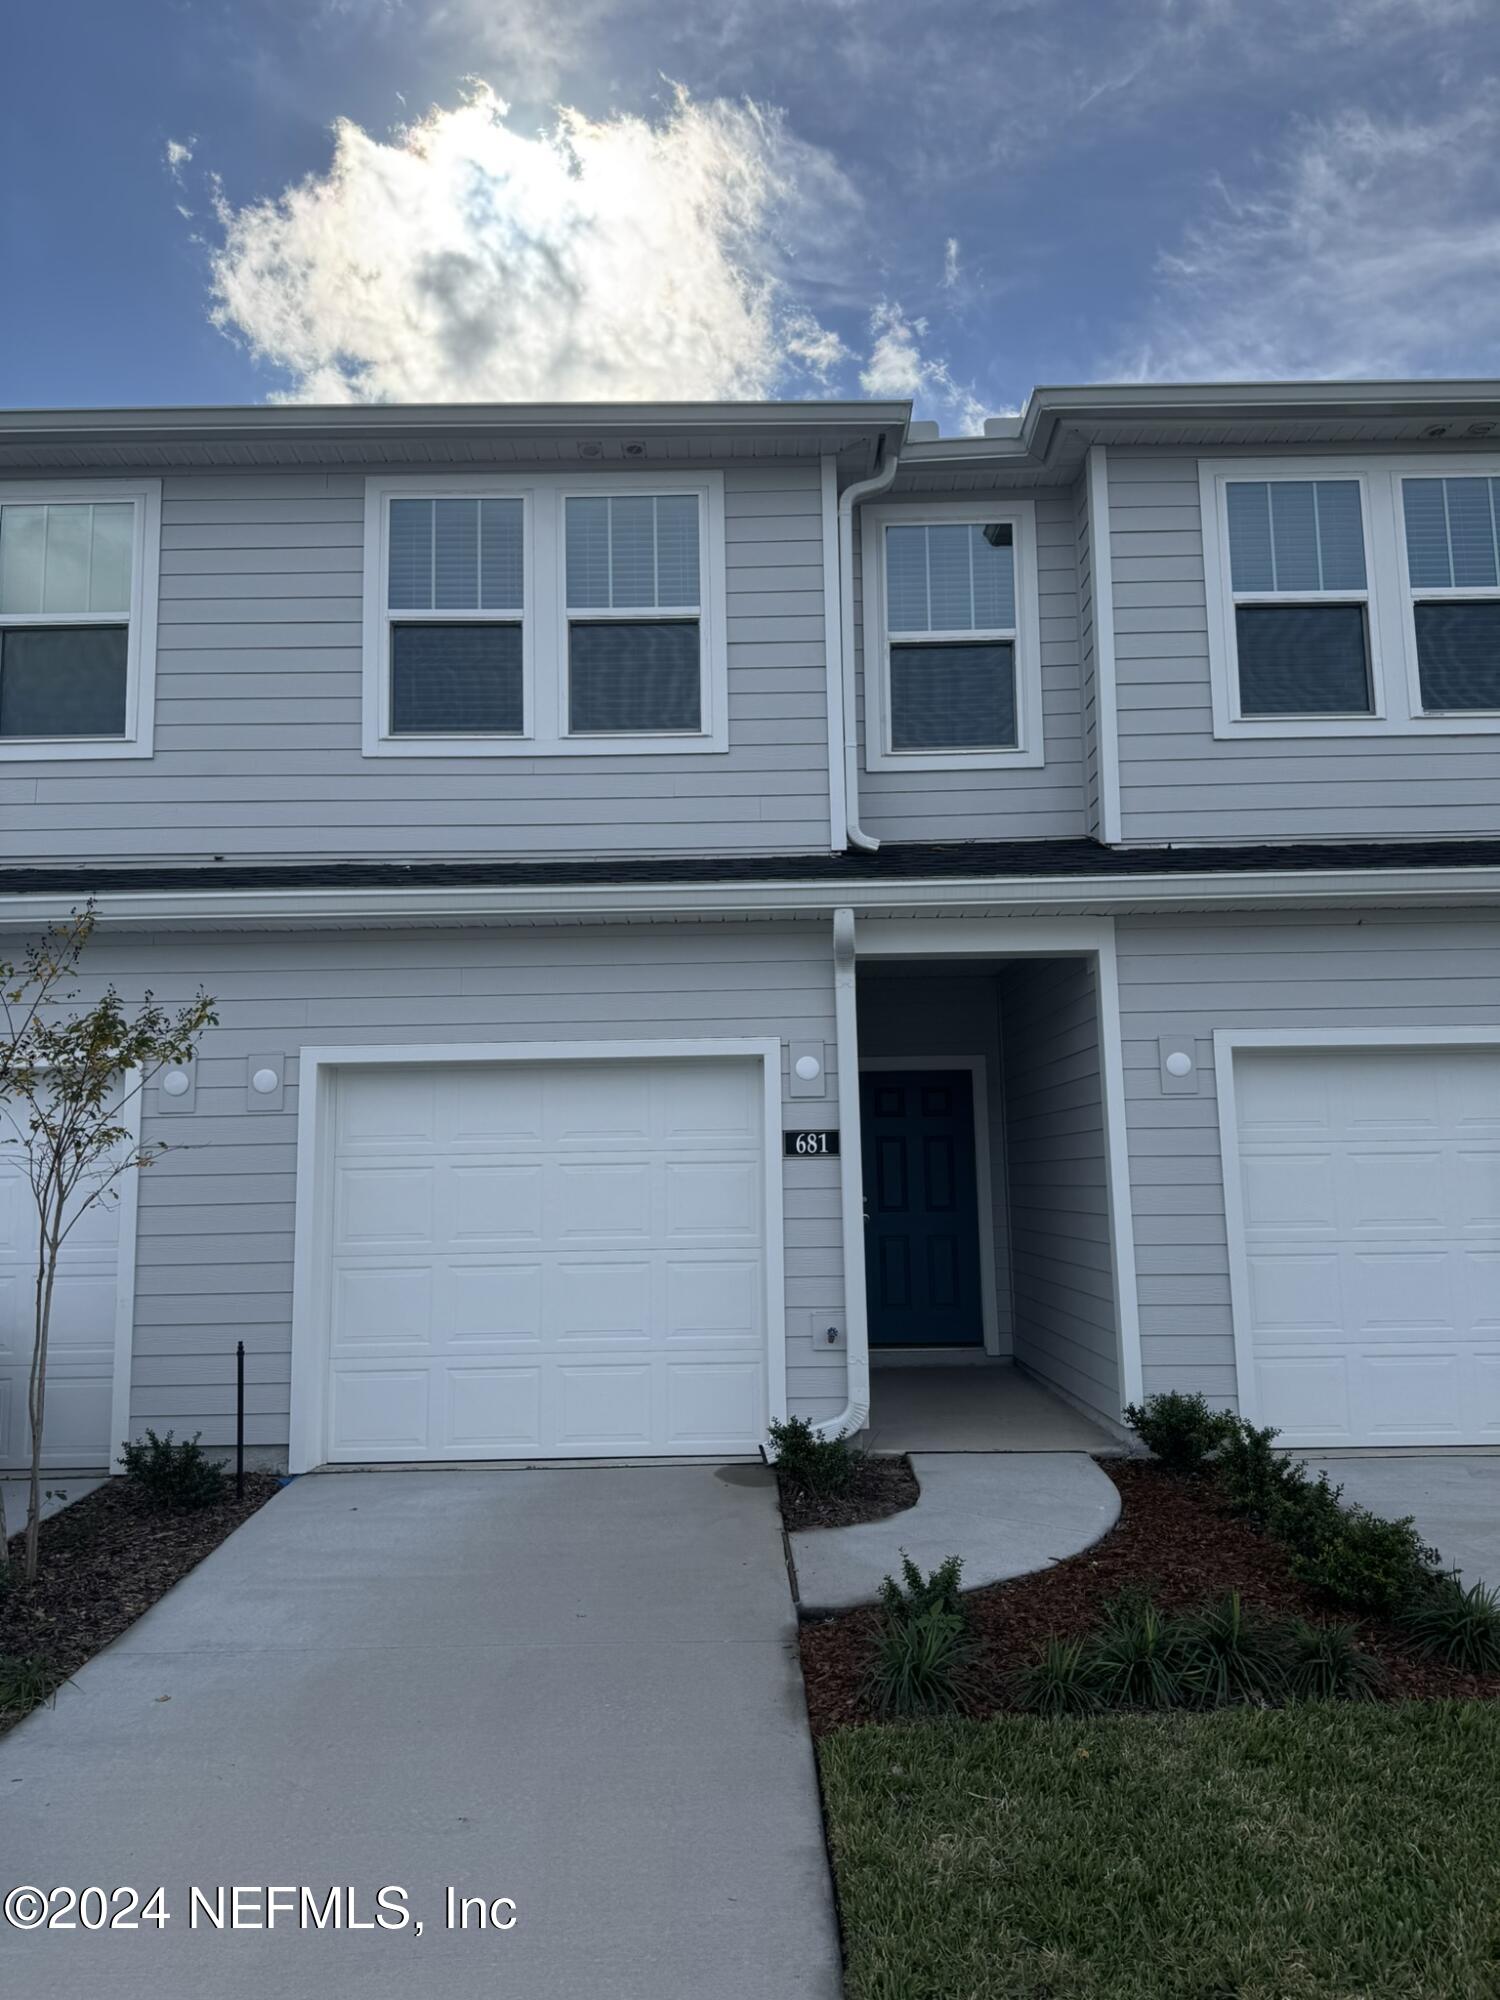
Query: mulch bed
[[1170, 1541], [103, 1561], [881, 1487]]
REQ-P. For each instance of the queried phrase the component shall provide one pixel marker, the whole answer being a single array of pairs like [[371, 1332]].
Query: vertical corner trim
[[1106, 704]]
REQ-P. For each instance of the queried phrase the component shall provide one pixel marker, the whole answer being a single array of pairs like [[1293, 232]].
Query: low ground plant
[[1064, 1681], [1459, 1626], [917, 1594], [1327, 1663], [26, 1681], [1226, 1655], [176, 1477], [825, 1466], [921, 1663], [1182, 1431]]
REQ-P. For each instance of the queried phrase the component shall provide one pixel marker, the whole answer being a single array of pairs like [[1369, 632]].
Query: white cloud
[[462, 259], [897, 367], [951, 267], [1371, 248], [178, 154]]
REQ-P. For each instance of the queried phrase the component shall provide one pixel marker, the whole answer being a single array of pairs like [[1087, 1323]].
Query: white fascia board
[[1019, 895]]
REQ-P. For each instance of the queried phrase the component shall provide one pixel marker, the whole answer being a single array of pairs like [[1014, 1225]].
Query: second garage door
[[1370, 1189], [546, 1259]]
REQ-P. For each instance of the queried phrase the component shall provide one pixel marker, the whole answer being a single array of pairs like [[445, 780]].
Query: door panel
[[921, 1209]]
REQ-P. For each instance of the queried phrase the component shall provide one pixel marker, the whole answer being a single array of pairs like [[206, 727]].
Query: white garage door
[[81, 1344], [547, 1259], [1371, 1196]]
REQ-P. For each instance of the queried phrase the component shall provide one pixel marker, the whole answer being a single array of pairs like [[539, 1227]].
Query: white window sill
[[567, 746], [1352, 728], [1030, 758], [70, 749]]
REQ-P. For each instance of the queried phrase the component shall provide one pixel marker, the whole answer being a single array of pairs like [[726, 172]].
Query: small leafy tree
[[66, 1076]]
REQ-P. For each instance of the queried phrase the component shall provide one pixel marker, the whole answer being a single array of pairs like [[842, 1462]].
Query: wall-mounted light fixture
[[266, 1076], [809, 1061]]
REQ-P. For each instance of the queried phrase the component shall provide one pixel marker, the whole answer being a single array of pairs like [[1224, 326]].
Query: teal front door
[[921, 1208]]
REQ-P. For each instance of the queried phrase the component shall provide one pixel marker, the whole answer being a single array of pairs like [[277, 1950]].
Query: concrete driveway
[[1455, 1497], [575, 1689]]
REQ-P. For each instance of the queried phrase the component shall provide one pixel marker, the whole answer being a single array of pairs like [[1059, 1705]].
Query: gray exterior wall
[[257, 748], [950, 1018], [1047, 802], [1187, 976], [214, 1261], [1176, 781], [1065, 1325]]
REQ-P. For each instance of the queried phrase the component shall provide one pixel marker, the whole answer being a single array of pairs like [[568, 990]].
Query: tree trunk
[[37, 1388]]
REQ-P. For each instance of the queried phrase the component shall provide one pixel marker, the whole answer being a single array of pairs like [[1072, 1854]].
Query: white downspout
[[856, 1412], [849, 499]]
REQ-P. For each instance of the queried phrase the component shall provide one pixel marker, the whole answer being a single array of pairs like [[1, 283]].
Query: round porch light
[[1178, 1063], [807, 1067], [265, 1081], [175, 1083]]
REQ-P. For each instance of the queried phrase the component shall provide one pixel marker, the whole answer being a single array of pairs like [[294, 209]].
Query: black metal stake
[[239, 1420]]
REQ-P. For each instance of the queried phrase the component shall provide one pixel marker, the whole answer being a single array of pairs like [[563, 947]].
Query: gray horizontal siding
[[215, 1239], [1043, 803], [258, 702], [1185, 977], [1177, 782], [1066, 1331]]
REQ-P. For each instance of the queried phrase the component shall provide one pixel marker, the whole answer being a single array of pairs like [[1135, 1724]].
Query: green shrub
[[178, 1478], [1181, 1431], [26, 1681], [1064, 1681], [824, 1466], [1254, 1478], [1460, 1627], [1326, 1663], [916, 1594], [921, 1664], [1137, 1658], [1225, 1655], [1363, 1561]]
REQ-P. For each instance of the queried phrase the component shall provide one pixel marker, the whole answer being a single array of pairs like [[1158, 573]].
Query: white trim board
[[125, 1257], [984, 1189], [1106, 700], [308, 1420], [1227, 1044]]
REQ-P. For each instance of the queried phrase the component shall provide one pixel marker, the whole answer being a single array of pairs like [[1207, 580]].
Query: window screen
[[954, 697], [1292, 536], [1303, 659], [59, 680], [71, 558], [456, 555], [634, 676], [633, 551], [1458, 654], [459, 679], [949, 577]]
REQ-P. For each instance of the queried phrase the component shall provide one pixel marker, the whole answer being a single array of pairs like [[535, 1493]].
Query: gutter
[[1010, 895], [856, 1412], [887, 466]]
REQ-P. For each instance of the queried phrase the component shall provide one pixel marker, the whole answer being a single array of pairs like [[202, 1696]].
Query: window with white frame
[[1453, 572], [545, 615], [951, 654], [78, 587], [1300, 588]]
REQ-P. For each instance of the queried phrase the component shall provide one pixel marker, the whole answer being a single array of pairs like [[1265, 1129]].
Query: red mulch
[[880, 1487], [1171, 1541], [103, 1561]]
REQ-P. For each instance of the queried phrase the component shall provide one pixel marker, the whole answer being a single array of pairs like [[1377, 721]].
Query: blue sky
[[235, 200]]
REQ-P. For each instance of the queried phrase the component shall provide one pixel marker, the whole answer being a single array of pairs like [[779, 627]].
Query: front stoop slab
[[1006, 1513]]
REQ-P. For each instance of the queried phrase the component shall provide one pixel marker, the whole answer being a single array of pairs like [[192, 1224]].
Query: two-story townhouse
[[701, 898]]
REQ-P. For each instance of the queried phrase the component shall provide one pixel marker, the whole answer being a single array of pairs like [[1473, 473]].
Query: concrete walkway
[[1005, 1513], [1455, 1497], [577, 1689], [988, 1407], [64, 1488]]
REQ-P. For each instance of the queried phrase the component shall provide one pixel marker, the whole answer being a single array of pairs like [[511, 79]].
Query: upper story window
[[540, 615], [1299, 578], [1453, 580], [1352, 596], [78, 585], [952, 675]]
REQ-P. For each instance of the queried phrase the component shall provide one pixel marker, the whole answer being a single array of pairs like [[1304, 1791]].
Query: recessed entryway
[[564, 1257]]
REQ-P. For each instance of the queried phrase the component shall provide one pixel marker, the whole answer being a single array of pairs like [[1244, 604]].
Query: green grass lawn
[[1344, 1851]]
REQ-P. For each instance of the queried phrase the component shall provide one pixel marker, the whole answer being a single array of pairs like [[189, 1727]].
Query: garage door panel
[[713, 1303], [720, 1105], [493, 1303], [381, 1412], [600, 1202], [714, 1198], [500, 1107], [382, 1305], [1377, 1338], [401, 1113], [1484, 1396], [594, 1103], [598, 1302], [493, 1409], [603, 1406], [493, 1203], [383, 1205], [707, 1402]]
